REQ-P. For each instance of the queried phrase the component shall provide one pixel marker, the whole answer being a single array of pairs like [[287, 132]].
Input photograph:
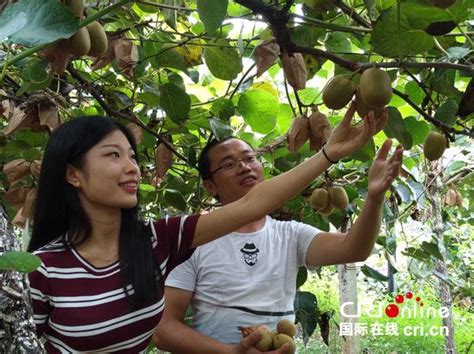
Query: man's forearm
[[361, 237], [177, 338]]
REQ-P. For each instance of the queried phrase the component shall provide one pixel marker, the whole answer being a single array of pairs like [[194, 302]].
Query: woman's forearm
[[271, 194]]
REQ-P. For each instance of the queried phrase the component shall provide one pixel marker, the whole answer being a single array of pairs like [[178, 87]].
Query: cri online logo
[[392, 310], [404, 306]]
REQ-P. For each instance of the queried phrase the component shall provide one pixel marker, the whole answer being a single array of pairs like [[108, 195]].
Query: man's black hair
[[204, 165]]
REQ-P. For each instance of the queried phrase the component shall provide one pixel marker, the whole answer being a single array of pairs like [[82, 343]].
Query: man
[[248, 277]]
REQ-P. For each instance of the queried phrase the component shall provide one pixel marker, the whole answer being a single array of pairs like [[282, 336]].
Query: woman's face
[[110, 177]]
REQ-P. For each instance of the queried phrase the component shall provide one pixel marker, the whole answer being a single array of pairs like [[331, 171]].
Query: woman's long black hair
[[58, 210]]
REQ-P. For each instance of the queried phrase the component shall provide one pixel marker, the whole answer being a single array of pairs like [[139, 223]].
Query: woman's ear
[[72, 176]]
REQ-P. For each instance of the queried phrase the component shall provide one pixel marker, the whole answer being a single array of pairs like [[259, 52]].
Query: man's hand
[[247, 345], [346, 139], [383, 171]]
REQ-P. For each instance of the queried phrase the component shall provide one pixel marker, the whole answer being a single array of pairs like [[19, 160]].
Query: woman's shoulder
[[52, 249]]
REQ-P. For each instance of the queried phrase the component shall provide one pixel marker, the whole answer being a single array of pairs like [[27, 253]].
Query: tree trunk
[[347, 274], [435, 186], [17, 329]]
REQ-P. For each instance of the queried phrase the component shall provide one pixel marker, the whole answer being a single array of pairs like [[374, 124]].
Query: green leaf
[[337, 42], [372, 273], [366, 153], [259, 109], [23, 262], [447, 113], [417, 129], [32, 22], [223, 108], [175, 102], [223, 61], [161, 52], [391, 243], [170, 14], [175, 199], [391, 40], [432, 249], [307, 312], [404, 191], [220, 129], [396, 129], [212, 13], [302, 276]]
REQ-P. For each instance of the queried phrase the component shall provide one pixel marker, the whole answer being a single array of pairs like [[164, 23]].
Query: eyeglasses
[[233, 165]]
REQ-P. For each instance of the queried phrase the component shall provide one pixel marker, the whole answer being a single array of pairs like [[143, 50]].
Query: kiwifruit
[[266, 340], [338, 92], [79, 43], [76, 6], [338, 197], [319, 199], [434, 146], [442, 4], [375, 88], [363, 108], [440, 28], [98, 38], [327, 210], [286, 327], [281, 339]]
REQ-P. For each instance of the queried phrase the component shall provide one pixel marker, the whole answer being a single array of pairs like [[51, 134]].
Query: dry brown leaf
[[163, 159], [48, 114], [16, 197], [459, 199], [126, 54], [298, 134], [265, 55], [58, 56], [19, 220], [106, 58], [295, 70], [15, 170], [137, 131], [35, 168], [28, 207], [320, 129], [27, 115], [6, 106], [450, 198]]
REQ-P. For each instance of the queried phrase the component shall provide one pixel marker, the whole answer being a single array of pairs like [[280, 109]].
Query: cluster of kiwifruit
[[372, 94], [90, 40], [324, 201], [434, 145], [270, 340]]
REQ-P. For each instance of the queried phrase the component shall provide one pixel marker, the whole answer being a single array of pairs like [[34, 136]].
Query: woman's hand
[[382, 172], [346, 139]]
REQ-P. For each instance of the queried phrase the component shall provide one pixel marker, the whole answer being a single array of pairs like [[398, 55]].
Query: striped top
[[81, 308]]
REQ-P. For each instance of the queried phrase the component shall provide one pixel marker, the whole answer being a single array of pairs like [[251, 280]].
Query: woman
[[100, 285]]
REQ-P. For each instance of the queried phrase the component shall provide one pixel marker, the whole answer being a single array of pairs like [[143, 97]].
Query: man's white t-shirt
[[245, 279]]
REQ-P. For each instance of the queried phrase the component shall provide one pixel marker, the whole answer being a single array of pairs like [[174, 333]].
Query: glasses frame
[[238, 162]]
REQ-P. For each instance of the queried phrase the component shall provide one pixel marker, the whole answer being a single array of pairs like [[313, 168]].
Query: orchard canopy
[[180, 72]]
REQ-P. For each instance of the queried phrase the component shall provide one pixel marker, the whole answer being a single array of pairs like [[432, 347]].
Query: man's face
[[230, 184]]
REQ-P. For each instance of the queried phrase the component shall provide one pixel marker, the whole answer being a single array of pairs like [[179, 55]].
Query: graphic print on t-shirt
[[250, 253]]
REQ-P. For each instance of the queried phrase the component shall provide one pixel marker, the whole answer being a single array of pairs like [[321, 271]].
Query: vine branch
[[113, 113]]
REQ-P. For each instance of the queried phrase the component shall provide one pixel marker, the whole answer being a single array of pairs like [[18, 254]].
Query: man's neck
[[252, 227]]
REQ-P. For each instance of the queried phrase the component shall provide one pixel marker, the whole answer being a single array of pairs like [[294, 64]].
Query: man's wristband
[[327, 157]]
